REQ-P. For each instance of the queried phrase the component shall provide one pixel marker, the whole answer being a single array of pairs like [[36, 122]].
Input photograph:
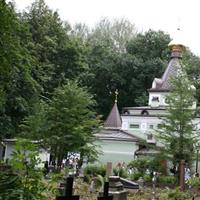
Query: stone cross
[[68, 191], [106, 195]]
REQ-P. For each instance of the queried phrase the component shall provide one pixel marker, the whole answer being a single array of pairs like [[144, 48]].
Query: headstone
[[106, 195], [109, 169], [141, 183], [68, 191], [116, 188]]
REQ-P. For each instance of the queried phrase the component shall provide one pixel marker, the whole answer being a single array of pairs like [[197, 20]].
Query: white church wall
[[145, 124], [43, 154], [161, 97]]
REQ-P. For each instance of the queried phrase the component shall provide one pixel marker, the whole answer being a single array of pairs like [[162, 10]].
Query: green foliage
[[140, 164], [194, 181], [177, 130], [39, 52], [67, 123], [95, 170], [57, 56], [147, 178], [34, 126], [167, 179], [135, 176], [28, 183], [176, 194], [113, 33], [18, 88], [71, 121], [100, 181], [130, 71], [9, 183], [122, 172], [192, 63]]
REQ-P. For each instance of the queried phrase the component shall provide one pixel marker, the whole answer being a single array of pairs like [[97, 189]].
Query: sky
[[165, 15]]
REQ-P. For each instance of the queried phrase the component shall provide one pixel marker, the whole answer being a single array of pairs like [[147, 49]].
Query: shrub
[[141, 164], [122, 172], [167, 179], [95, 170], [147, 178], [178, 195], [28, 184], [135, 176], [194, 181]]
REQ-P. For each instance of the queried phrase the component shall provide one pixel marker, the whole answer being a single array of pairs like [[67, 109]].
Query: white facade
[[44, 155], [116, 151]]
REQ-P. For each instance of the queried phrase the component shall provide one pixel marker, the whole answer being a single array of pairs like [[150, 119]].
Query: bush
[[167, 179], [194, 181], [27, 183], [95, 170], [178, 195], [122, 172], [147, 178], [135, 176], [141, 164]]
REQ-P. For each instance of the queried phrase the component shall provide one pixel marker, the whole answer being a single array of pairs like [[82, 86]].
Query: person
[[187, 174], [196, 174], [46, 168]]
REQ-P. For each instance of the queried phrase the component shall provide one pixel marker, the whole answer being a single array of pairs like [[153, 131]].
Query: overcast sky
[[166, 15]]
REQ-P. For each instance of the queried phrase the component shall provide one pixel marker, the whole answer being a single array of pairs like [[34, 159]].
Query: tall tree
[[57, 55], [68, 122], [115, 33], [178, 132], [131, 72], [18, 89]]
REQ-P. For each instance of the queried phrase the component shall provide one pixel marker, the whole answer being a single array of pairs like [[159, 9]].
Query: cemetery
[[86, 115]]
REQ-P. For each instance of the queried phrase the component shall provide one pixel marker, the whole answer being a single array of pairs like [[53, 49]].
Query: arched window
[[144, 112]]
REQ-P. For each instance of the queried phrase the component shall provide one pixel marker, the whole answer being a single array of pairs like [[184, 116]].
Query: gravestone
[[116, 188], [106, 195], [109, 169], [68, 191]]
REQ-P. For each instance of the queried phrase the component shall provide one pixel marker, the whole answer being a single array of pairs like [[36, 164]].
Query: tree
[[56, 54], [18, 89], [115, 33], [69, 123], [131, 72], [178, 132], [193, 70]]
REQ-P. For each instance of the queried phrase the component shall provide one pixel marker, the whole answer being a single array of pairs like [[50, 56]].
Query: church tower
[[162, 86]]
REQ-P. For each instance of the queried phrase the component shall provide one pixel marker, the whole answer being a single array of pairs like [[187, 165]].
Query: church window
[[151, 126], [149, 137], [134, 126], [159, 125], [126, 112], [144, 112], [155, 99]]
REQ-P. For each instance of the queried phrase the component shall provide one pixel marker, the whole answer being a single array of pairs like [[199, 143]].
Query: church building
[[120, 140]]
